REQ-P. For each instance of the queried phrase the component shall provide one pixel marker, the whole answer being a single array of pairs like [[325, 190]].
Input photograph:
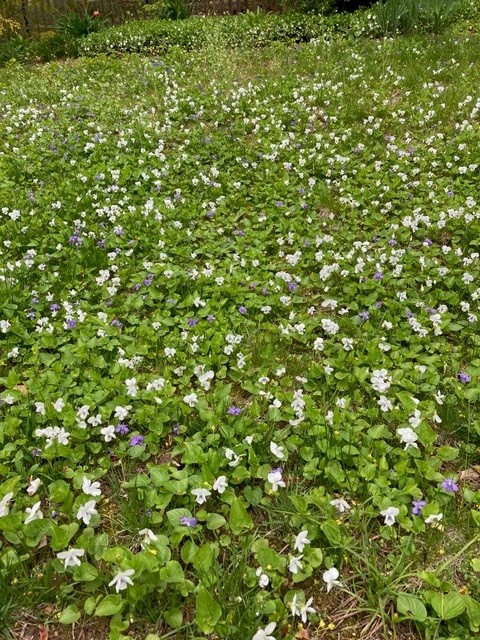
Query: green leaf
[[446, 605], [69, 615], [35, 530], [89, 606], [332, 532], [473, 612], [475, 564], [204, 558], [85, 573], [215, 521], [476, 516], [62, 535], [411, 607], [174, 618], [253, 495], [239, 519], [172, 572], [268, 558], [208, 611], [109, 605]]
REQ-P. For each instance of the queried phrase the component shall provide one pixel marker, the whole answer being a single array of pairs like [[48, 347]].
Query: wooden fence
[[38, 16]]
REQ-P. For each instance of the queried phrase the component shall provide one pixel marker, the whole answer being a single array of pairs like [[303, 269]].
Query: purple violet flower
[[122, 428], [417, 507], [464, 377], [188, 522], [234, 411], [242, 310], [364, 315], [137, 441], [449, 485]]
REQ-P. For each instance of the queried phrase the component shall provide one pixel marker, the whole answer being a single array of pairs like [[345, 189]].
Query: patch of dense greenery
[[83, 34], [239, 375]]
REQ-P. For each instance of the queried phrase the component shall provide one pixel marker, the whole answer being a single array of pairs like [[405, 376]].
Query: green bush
[[53, 45], [241, 31], [176, 10], [77, 25], [406, 16], [17, 48]]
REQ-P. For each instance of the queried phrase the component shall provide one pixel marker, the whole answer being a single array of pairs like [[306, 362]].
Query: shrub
[[17, 48], [78, 25], [176, 10], [405, 16], [53, 45]]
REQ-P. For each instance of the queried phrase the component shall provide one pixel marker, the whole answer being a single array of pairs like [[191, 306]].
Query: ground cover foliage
[[239, 327]]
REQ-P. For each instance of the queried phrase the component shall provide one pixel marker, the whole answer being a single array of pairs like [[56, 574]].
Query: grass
[[214, 184]]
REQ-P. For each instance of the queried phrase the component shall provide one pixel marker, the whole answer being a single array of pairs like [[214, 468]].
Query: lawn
[[240, 342]]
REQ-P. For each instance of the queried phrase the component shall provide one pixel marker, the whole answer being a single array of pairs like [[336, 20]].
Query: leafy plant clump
[[239, 327], [405, 16]]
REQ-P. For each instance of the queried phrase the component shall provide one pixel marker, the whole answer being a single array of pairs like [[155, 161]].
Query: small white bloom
[[434, 519], [58, 405], [340, 505], [201, 495], [4, 507], [83, 412], [300, 541], [40, 408], [220, 484], [148, 536], [108, 433], [122, 412], [295, 606], [330, 578], [34, 513], [33, 486], [277, 450], [263, 579], [91, 488], [306, 609], [132, 387], [4, 326], [191, 399], [86, 511], [390, 514], [408, 437], [71, 558], [122, 580], [380, 380], [264, 634], [275, 479], [232, 456], [295, 564], [385, 404]]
